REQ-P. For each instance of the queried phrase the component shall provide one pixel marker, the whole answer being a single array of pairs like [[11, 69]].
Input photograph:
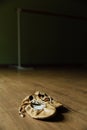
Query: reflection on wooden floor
[[67, 85]]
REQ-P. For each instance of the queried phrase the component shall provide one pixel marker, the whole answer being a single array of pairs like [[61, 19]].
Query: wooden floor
[[67, 85]]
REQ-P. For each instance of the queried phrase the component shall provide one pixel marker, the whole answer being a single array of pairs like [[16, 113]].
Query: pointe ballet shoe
[[36, 108], [40, 110], [46, 98]]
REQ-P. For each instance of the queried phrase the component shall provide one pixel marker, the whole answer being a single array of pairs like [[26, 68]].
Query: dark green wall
[[45, 39]]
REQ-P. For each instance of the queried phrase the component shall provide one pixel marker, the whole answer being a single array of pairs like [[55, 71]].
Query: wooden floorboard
[[66, 85]]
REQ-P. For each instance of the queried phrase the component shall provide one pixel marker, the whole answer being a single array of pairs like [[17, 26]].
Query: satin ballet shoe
[[46, 98], [36, 108]]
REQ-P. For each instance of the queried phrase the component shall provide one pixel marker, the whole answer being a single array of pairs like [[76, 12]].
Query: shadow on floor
[[58, 115]]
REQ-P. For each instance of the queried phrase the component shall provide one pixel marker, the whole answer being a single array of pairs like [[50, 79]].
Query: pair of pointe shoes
[[39, 106]]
